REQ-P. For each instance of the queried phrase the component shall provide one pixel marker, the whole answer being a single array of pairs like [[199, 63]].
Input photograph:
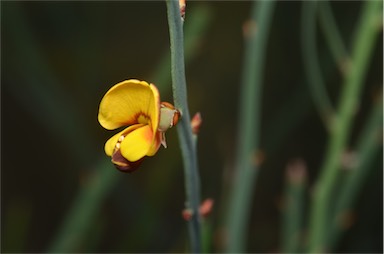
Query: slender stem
[[207, 235], [364, 42], [332, 35], [311, 63], [367, 148], [82, 213], [188, 146], [56, 115], [199, 19], [293, 207], [195, 29], [44, 90], [246, 172]]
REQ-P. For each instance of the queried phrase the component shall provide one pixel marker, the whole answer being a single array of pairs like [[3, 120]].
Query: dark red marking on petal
[[123, 164]]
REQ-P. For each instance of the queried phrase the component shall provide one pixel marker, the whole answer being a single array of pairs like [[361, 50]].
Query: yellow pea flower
[[136, 105]]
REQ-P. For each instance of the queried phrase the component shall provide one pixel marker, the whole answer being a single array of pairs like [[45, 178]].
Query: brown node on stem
[[196, 123], [296, 172], [204, 210], [206, 207], [187, 214], [182, 9], [349, 160], [249, 28], [258, 157], [347, 219]]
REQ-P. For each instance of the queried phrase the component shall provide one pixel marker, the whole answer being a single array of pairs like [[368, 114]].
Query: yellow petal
[[111, 143], [155, 108], [156, 144], [130, 102], [137, 143]]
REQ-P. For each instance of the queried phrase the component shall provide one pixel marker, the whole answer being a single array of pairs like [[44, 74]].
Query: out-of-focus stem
[[82, 212], [311, 64], [367, 148], [248, 139], [293, 207], [367, 31], [332, 35]]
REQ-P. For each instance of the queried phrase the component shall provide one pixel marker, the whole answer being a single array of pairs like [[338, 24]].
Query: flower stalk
[[187, 142]]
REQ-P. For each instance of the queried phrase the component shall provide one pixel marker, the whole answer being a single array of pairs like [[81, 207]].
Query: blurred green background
[[58, 60]]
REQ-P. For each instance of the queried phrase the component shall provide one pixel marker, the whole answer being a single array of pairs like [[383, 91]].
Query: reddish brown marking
[[123, 164]]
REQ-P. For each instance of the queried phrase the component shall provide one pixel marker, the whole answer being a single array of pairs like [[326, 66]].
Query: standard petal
[[130, 102], [137, 143], [111, 143]]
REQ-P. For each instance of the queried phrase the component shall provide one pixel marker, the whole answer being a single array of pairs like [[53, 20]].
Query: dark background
[[59, 58]]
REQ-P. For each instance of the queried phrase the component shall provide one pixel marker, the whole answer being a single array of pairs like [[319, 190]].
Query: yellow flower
[[135, 104]]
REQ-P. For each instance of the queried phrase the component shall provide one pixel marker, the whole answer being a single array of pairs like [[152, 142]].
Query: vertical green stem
[[367, 148], [366, 35], [245, 175], [311, 63], [195, 29], [293, 207], [332, 35], [188, 146], [82, 213]]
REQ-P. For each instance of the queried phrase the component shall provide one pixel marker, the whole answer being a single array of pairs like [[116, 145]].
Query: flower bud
[[169, 116]]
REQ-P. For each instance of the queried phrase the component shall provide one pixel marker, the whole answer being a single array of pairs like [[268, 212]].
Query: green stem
[[311, 63], [44, 90], [332, 35], [197, 26], [188, 146], [294, 207], [246, 172], [195, 29], [368, 146], [366, 35], [82, 214], [56, 115]]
